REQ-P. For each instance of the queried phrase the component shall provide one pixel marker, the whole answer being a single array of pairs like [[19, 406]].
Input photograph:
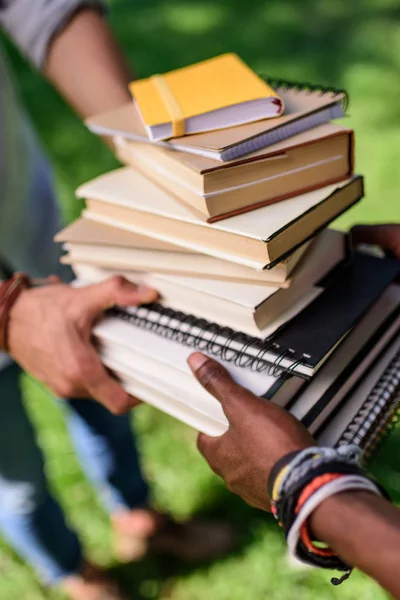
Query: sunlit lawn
[[355, 45]]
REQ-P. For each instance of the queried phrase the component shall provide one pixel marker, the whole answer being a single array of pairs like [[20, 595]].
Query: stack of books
[[223, 206]]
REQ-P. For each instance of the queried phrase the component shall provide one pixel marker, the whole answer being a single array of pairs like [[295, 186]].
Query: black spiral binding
[[373, 420], [305, 86], [205, 336]]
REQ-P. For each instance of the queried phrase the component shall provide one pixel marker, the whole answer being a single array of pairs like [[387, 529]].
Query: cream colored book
[[91, 233], [247, 307], [93, 243], [307, 161], [124, 198]]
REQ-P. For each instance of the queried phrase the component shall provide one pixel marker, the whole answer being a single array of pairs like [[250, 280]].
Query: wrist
[[329, 519], [9, 293], [311, 494]]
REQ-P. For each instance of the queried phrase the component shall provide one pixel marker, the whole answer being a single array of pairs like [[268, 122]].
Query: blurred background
[[348, 44]]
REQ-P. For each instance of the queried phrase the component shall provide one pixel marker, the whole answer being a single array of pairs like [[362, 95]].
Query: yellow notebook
[[214, 94]]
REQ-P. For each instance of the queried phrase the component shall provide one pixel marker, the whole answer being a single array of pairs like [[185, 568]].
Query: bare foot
[[92, 583], [141, 532]]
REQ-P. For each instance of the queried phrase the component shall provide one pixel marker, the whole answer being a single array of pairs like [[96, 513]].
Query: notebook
[[310, 160], [169, 384], [258, 239], [301, 344], [305, 107], [354, 357], [87, 241], [364, 417], [137, 352], [190, 403], [215, 93], [247, 307]]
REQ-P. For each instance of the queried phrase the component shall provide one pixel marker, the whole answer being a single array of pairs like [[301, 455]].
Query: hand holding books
[[49, 335], [312, 488]]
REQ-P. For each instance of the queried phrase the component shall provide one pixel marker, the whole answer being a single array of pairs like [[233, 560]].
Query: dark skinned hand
[[259, 434]]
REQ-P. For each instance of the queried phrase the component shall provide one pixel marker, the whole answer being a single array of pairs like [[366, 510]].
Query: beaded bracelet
[[300, 482], [318, 556]]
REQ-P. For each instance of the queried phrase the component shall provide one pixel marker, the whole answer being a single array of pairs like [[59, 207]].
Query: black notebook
[[300, 346]]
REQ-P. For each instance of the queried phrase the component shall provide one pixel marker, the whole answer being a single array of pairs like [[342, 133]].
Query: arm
[[72, 43], [363, 529], [86, 65]]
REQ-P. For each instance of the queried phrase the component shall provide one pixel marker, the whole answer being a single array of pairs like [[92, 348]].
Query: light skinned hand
[[50, 336], [259, 434]]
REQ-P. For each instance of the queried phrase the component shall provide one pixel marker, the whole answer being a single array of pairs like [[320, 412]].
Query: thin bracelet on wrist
[[9, 294], [10, 291]]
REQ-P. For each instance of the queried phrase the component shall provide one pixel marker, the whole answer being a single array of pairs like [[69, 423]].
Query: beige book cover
[[126, 199], [83, 231], [87, 241], [312, 159], [247, 307]]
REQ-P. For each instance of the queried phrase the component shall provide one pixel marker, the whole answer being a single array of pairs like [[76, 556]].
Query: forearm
[[86, 65], [364, 530]]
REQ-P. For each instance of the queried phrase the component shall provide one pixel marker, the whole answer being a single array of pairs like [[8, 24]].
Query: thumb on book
[[217, 381]]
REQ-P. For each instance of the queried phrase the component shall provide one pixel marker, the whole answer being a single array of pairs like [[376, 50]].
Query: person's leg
[[30, 518], [29, 218], [105, 443], [109, 457], [107, 450]]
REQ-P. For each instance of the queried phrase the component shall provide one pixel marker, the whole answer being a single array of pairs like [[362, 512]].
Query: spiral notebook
[[353, 358], [306, 106], [301, 345], [365, 415], [146, 356]]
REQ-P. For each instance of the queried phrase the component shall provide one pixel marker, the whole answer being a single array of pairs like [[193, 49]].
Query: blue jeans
[[30, 517]]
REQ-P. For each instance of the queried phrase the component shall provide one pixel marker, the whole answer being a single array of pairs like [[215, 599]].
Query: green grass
[[355, 45]]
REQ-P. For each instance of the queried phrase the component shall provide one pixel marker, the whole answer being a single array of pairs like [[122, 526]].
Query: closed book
[[247, 307], [213, 94], [261, 238], [91, 233], [307, 161], [305, 108], [93, 243]]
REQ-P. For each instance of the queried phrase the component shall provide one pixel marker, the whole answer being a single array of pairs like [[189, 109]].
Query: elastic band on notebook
[[171, 104]]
